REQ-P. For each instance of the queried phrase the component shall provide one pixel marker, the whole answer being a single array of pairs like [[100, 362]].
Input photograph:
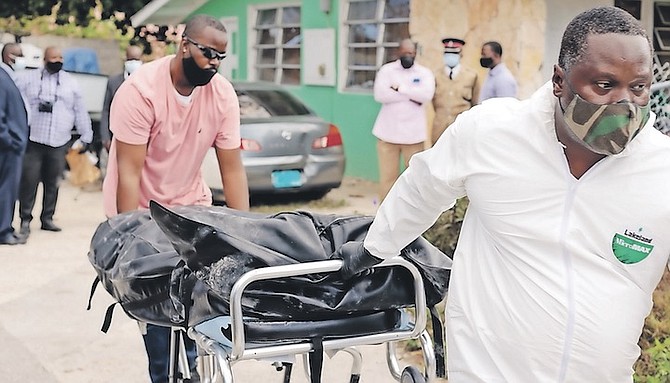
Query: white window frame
[[379, 44], [253, 46]]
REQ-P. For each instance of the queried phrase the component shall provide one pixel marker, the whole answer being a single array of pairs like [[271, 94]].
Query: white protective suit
[[538, 291]]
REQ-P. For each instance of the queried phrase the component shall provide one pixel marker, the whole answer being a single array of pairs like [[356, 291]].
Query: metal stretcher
[[225, 340]]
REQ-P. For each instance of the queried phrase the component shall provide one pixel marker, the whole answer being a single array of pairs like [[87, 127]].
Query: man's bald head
[[10, 52], [53, 59], [53, 54], [406, 47], [198, 23], [134, 52]]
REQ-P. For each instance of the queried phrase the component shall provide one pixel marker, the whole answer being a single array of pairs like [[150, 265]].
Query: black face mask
[[196, 75], [406, 61], [486, 62], [54, 66]]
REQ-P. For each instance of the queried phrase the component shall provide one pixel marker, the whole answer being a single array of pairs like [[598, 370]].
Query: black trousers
[[45, 164], [157, 344]]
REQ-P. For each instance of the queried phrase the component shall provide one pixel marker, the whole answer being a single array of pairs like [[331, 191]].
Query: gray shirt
[[499, 83]]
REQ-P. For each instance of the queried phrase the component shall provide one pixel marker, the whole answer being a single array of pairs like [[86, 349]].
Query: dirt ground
[[354, 196]]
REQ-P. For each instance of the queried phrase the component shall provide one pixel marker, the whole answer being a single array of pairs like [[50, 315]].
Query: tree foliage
[[76, 12], [102, 19]]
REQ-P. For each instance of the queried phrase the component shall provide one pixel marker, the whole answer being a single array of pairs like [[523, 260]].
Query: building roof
[[165, 12]]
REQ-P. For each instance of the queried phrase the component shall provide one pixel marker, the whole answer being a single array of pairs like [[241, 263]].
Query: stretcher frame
[[216, 365]]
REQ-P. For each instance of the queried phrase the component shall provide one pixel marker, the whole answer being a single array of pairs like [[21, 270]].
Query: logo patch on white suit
[[631, 246]]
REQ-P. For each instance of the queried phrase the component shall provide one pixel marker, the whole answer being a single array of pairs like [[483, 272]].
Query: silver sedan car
[[286, 148]]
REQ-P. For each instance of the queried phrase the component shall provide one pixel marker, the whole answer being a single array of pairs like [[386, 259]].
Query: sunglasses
[[208, 52]]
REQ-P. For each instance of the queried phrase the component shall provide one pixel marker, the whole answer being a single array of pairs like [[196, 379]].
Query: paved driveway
[[46, 334]]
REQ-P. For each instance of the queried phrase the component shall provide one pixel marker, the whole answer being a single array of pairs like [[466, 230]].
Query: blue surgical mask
[[131, 66], [451, 59]]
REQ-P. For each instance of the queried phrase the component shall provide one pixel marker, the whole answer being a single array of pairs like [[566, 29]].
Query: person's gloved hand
[[355, 259]]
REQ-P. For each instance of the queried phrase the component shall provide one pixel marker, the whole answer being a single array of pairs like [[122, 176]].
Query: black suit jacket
[[113, 85], [13, 116]]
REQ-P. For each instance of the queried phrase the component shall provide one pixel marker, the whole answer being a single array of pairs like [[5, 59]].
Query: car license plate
[[286, 178]]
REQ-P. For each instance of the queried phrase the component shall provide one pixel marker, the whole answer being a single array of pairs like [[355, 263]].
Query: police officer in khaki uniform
[[456, 88]]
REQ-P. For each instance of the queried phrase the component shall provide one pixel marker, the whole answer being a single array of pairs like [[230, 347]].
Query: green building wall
[[353, 113]]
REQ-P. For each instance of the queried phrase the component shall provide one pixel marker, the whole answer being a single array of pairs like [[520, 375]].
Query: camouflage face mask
[[605, 129]]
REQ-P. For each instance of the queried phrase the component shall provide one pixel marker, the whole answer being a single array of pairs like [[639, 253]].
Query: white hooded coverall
[[553, 276]]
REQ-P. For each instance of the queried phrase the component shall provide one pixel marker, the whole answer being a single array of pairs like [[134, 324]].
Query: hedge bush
[[653, 366], [444, 233]]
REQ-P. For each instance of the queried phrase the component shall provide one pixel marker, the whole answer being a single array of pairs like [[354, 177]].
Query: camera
[[46, 106]]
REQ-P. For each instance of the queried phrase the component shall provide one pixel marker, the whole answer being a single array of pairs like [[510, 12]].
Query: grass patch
[[281, 203], [653, 366]]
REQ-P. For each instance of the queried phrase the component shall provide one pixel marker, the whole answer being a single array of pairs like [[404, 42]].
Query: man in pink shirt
[[402, 87], [165, 118]]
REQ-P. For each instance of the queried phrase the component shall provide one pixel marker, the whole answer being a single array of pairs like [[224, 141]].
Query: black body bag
[[176, 267]]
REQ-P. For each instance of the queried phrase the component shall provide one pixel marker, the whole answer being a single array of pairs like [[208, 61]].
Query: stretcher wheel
[[411, 374]]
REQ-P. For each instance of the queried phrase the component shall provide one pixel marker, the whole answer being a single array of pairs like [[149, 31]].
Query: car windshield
[[269, 103]]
